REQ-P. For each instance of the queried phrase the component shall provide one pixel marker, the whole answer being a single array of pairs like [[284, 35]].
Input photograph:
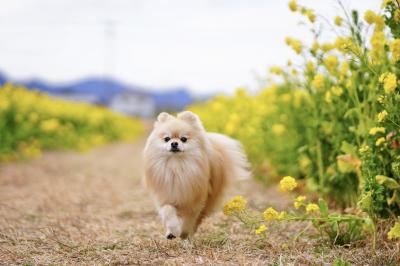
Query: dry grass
[[70, 208]]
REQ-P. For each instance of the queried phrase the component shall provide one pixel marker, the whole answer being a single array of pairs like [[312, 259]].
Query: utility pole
[[109, 49]]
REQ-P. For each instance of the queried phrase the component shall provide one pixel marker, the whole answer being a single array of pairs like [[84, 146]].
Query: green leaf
[[323, 207], [392, 199], [350, 112], [387, 182], [366, 201]]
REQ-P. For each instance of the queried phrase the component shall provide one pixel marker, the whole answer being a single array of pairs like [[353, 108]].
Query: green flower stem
[[326, 219], [393, 122], [250, 220], [301, 232], [320, 163]]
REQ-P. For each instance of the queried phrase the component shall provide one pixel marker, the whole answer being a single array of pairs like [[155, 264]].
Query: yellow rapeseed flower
[[328, 97], [396, 15], [364, 149], [315, 46], [375, 130], [369, 16], [312, 207], [380, 141], [296, 46], [340, 43], [4, 104], [49, 125], [293, 5], [379, 22], [217, 106], [338, 21], [381, 99], [385, 3], [30, 151], [382, 115], [286, 97], [311, 16], [299, 201], [241, 92], [331, 63], [278, 129], [378, 42], [233, 123], [230, 128], [337, 90], [394, 232], [33, 117], [237, 204], [288, 183], [261, 229], [276, 70], [310, 66], [326, 47], [395, 49], [318, 82], [288, 40], [270, 214], [389, 81]]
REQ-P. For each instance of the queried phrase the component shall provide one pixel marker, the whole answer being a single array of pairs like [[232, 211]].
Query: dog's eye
[[183, 139], [166, 139]]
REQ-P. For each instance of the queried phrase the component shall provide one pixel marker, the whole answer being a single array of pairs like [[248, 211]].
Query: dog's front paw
[[170, 236], [174, 228]]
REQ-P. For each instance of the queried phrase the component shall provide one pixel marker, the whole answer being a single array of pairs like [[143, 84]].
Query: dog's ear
[[190, 118], [162, 117]]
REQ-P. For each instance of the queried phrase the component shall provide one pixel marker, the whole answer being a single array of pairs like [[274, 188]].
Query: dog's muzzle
[[174, 147]]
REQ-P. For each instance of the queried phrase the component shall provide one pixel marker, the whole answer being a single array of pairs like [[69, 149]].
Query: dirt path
[[88, 208], [92, 209]]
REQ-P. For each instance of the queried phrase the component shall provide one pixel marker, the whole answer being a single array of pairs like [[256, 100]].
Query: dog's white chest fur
[[180, 178]]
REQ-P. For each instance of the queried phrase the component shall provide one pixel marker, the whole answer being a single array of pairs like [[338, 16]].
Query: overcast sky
[[205, 45]]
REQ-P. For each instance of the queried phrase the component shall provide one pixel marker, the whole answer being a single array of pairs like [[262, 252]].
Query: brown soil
[[91, 209]]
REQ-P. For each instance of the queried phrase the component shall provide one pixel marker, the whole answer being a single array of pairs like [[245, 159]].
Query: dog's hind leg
[[171, 221], [189, 218]]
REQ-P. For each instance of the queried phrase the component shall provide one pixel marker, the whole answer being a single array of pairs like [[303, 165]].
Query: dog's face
[[177, 136]]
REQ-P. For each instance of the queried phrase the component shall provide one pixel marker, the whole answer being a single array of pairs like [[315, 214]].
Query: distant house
[[133, 103]]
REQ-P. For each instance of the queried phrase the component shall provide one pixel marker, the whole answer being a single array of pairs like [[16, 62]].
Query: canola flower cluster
[[31, 122], [332, 120], [345, 227], [236, 205], [288, 183]]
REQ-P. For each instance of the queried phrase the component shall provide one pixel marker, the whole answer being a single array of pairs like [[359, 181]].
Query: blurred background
[[140, 57]]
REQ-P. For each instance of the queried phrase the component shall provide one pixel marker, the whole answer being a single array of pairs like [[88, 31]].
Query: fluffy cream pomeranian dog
[[187, 170]]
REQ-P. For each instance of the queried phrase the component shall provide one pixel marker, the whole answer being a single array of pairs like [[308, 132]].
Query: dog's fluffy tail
[[233, 155]]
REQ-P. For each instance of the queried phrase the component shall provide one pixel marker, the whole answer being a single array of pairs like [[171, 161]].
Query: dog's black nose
[[174, 145]]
